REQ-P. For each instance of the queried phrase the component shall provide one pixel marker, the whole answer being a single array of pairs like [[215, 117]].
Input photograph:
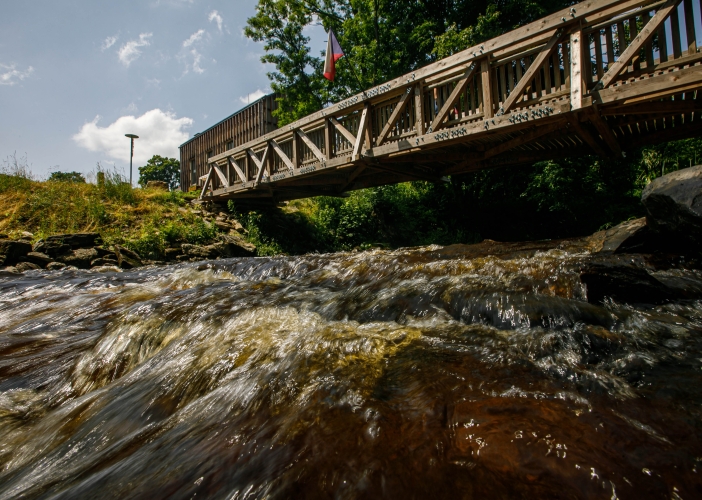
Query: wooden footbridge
[[602, 77]]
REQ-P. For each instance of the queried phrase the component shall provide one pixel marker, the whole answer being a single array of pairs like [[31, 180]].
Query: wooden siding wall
[[243, 126]]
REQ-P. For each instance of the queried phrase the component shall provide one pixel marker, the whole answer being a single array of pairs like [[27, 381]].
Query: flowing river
[[458, 372]]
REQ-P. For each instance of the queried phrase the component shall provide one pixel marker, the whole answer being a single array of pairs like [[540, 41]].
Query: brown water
[[441, 373]]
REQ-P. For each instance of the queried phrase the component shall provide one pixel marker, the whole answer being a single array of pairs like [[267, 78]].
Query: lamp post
[[131, 157]]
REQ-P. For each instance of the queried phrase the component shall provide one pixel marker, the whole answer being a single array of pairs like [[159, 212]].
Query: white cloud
[[195, 37], [109, 42], [160, 133], [130, 50], [253, 96], [196, 62], [214, 16], [10, 75]]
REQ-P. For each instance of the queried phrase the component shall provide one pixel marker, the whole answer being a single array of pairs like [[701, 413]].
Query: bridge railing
[[571, 57]]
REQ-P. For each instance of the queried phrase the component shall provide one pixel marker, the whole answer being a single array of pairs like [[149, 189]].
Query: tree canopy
[[67, 177], [382, 39], [163, 169]]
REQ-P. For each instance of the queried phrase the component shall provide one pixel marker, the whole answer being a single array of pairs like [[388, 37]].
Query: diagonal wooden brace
[[313, 147], [399, 108], [237, 169], [220, 174], [208, 179], [281, 154], [455, 94], [343, 130], [642, 38], [360, 138], [518, 91], [260, 164]]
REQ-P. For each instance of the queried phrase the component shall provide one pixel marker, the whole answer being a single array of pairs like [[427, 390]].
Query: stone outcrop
[[79, 258], [673, 205], [632, 236], [12, 250], [127, 259], [76, 240]]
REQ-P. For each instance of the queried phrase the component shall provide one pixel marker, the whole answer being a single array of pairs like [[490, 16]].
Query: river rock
[[80, 258], [674, 209], [104, 262], [222, 226], [127, 259], [27, 266], [76, 240], [632, 236], [231, 246], [160, 185], [201, 252], [172, 253], [41, 259], [51, 248], [26, 235], [623, 284], [55, 266], [12, 250]]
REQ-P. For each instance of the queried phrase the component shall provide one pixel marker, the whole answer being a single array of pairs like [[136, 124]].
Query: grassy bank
[[147, 221], [547, 200]]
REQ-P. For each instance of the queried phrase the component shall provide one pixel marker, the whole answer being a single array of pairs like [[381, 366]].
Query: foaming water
[[477, 372]]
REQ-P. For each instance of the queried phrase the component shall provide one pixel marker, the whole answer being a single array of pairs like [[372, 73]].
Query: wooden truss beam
[[260, 164], [520, 140], [455, 94], [588, 138], [281, 154], [655, 108], [518, 91], [637, 44], [312, 146], [399, 108], [343, 130], [360, 138], [220, 174], [237, 169], [208, 179]]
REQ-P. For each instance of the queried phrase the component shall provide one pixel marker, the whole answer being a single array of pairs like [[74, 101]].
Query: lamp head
[[131, 136]]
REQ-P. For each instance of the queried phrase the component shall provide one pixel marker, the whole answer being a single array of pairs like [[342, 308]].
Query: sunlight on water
[[421, 372]]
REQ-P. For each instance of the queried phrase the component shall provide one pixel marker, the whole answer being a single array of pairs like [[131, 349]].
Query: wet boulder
[[99, 262], [12, 250], [623, 283], [55, 266], [172, 253], [127, 259], [27, 266], [51, 248], [76, 240], [231, 246], [80, 258], [632, 236], [674, 209], [38, 258], [201, 252]]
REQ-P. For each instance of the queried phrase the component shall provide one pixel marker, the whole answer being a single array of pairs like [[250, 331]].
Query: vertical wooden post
[[369, 129], [576, 70], [247, 168], [295, 151], [488, 111], [419, 108], [690, 28], [328, 139]]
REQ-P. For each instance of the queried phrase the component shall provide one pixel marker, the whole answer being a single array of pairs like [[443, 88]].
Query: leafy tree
[[67, 177], [163, 169]]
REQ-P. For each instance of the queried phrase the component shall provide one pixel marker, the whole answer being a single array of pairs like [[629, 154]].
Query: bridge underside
[[603, 78]]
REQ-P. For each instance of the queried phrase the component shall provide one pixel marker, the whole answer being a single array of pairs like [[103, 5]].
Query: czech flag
[[334, 53]]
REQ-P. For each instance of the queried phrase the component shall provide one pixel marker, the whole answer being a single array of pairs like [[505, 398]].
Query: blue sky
[[76, 75]]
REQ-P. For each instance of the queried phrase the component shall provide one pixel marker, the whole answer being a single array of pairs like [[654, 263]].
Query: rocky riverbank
[[88, 251]]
